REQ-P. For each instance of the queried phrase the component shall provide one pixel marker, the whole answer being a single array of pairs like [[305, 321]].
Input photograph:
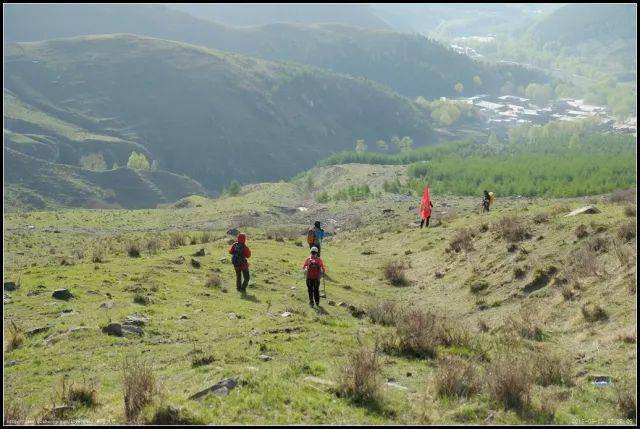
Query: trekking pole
[[324, 287]]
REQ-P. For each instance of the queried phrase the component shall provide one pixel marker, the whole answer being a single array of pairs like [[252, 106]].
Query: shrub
[[568, 293], [170, 415], [526, 324], [361, 379], [456, 377], [509, 382], [206, 237], [623, 253], [560, 208], [15, 338], [323, 198], [133, 250], [626, 399], [551, 368], [14, 414], [98, 254], [384, 313], [626, 196], [78, 394], [193, 240], [138, 384], [630, 211], [214, 280], [462, 240], [177, 239], [153, 246], [141, 299], [627, 231], [477, 285], [594, 313], [512, 229], [394, 271], [201, 360], [519, 272], [581, 231], [540, 218], [78, 253]]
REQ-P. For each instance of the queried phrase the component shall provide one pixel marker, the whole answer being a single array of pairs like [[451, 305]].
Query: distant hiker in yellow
[[487, 200]]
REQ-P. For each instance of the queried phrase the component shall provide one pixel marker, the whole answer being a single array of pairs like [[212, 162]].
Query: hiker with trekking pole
[[314, 270]]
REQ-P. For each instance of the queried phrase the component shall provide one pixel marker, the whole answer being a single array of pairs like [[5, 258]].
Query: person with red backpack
[[315, 236], [240, 252], [314, 270]]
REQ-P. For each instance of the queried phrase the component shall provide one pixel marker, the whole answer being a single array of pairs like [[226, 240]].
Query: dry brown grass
[[623, 253], [626, 399], [628, 337], [581, 231], [627, 231], [138, 384], [386, 313], [15, 414], [594, 313], [630, 211], [462, 240], [509, 382], [206, 236], [512, 229], [14, 338], [552, 367], [153, 246], [539, 218], [526, 323], [98, 254], [77, 394], [171, 415], [361, 380], [560, 209], [214, 280], [394, 271], [177, 239], [626, 196], [456, 377], [133, 249]]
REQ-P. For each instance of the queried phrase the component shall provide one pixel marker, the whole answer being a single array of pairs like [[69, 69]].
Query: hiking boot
[[311, 304]]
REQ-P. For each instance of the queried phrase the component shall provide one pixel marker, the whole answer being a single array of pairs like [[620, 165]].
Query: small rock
[[107, 304], [195, 263], [409, 374], [135, 320], [12, 363], [179, 260], [397, 386], [64, 294], [331, 302], [264, 358], [183, 317], [221, 388], [439, 274], [286, 314], [6, 298], [232, 316], [10, 286], [343, 304], [38, 330], [132, 329], [392, 379], [113, 329], [584, 210], [199, 253]]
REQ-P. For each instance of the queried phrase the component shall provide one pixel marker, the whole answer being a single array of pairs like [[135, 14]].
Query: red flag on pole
[[425, 204]]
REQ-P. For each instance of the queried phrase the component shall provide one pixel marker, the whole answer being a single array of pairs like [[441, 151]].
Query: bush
[[202, 360], [206, 237], [384, 313], [512, 229], [509, 382], [477, 285], [15, 338], [627, 231], [626, 196], [594, 313], [526, 324], [552, 368], [626, 399], [177, 239], [98, 254], [153, 246], [78, 394], [170, 415], [138, 384], [541, 218], [623, 253], [630, 211], [361, 379], [519, 272], [394, 271], [456, 377], [462, 240], [581, 231], [141, 299], [214, 280], [133, 250], [323, 198]]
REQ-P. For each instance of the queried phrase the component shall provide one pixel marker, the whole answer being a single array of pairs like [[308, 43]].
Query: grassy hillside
[[210, 115], [522, 289], [410, 64], [33, 184]]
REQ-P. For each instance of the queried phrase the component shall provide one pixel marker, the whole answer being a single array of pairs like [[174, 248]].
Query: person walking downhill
[[425, 207], [240, 252], [315, 236], [314, 270]]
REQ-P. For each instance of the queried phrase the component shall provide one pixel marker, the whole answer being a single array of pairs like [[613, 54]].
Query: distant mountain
[[408, 63], [577, 24], [357, 15], [34, 184], [210, 115]]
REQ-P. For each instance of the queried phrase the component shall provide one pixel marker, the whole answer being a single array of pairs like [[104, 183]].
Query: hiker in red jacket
[[425, 207], [314, 270], [240, 252]]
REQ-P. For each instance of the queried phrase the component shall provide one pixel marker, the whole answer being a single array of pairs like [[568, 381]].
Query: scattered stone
[[223, 259], [132, 329], [183, 317], [107, 304], [113, 329], [60, 410], [356, 312], [396, 386], [331, 302], [343, 304], [179, 260], [12, 363], [286, 314], [264, 358], [6, 298], [233, 232], [38, 330], [439, 274], [409, 374], [64, 294], [221, 388], [233, 316], [10, 286], [199, 252], [584, 210], [195, 263], [135, 320]]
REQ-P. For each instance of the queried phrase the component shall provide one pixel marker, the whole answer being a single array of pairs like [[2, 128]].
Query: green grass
[[306, 343]]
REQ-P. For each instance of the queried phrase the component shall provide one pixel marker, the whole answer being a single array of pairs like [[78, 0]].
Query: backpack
[[313, 269], [311, 236], [237, 258], [492, 198]]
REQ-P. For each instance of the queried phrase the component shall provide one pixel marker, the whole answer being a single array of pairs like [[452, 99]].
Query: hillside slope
[[523, 298], [410, 64], [33, 184], [210, 115]]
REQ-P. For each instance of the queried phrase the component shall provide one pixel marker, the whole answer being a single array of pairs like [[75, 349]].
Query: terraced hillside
[[519, 315]]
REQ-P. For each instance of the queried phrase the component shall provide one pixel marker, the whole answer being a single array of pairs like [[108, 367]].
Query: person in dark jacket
[[485, 201], [318, 236], [240, 252]]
